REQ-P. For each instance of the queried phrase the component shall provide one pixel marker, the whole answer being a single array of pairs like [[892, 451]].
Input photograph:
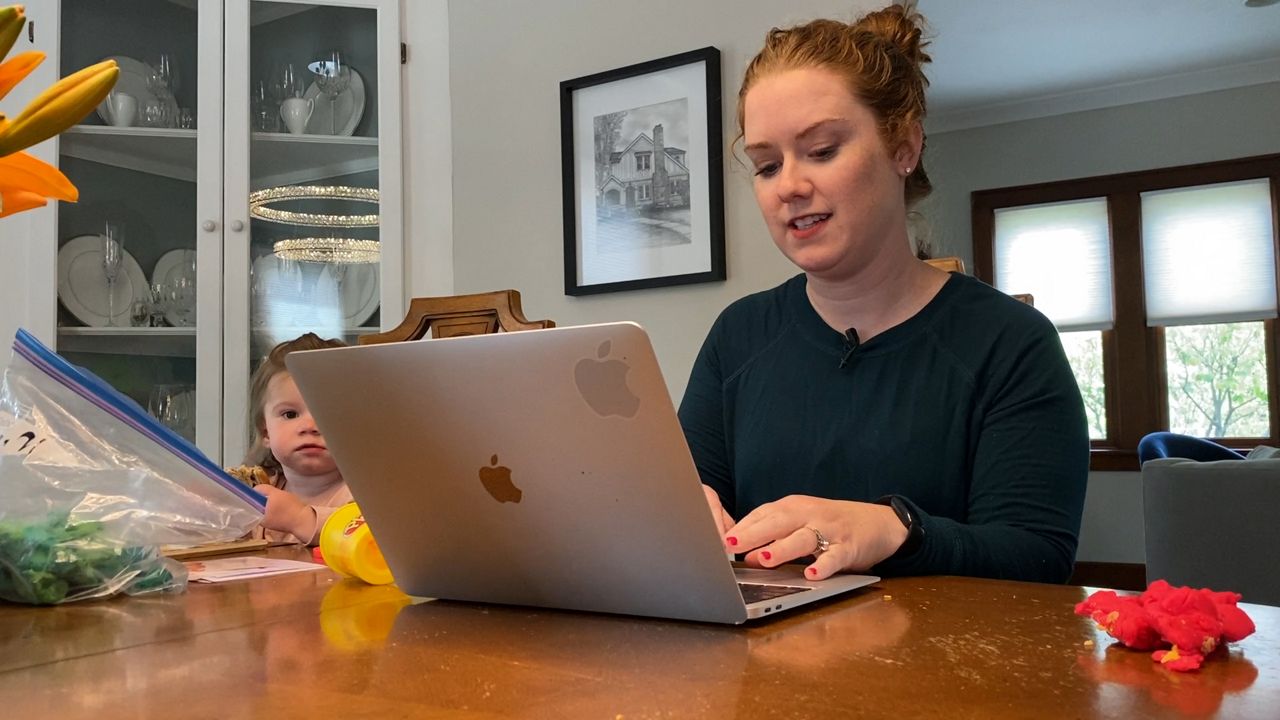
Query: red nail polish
[[813, 571], [731, 540], [766, 554]]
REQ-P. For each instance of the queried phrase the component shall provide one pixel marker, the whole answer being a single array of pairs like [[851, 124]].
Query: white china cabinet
[[293, 104]]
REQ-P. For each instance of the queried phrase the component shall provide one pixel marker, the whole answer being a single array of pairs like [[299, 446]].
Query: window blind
[[1208, 254], [1061, 254]]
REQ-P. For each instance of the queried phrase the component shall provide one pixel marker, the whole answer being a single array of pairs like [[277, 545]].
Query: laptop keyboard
[[755, 592]]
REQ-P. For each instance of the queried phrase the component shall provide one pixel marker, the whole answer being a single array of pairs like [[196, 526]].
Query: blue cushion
[[1167, 444]]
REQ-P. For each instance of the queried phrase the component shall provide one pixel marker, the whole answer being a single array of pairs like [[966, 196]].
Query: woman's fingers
[[768, 523], [723, 520], [827, 564], [858, 535], [798, 544]]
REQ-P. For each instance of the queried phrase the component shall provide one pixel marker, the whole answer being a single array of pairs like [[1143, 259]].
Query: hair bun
[[900, 25]]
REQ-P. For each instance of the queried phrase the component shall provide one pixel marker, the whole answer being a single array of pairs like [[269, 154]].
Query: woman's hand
[[287, 513], [860, 534], [723, 520]]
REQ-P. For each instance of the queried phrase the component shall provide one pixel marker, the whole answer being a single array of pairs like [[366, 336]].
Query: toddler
[[299, 477]]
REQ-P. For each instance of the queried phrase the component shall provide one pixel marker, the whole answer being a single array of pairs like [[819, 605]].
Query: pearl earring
[[907, 170]]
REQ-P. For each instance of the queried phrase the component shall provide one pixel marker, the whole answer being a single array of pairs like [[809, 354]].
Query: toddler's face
[[291, 433]]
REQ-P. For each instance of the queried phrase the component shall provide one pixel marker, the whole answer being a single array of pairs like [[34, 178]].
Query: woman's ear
[[907, 155]]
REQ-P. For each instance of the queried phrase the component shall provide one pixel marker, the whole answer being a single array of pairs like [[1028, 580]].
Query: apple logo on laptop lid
[[603, 384], [497, 482]]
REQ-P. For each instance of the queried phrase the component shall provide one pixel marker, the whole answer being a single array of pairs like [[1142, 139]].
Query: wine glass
[[333, 77], [171, 404], [182, 298], [112, 257], [158, 400], [285, 83], [265, 107], [166, 73], [159, 303]]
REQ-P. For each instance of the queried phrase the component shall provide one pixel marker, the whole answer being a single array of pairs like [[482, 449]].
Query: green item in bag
[[55, 561]]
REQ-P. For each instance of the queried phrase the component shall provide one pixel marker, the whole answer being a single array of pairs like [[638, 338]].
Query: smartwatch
[[915, 531]]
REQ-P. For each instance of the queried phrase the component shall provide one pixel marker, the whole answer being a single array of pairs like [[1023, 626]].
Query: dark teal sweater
[[968, 410]]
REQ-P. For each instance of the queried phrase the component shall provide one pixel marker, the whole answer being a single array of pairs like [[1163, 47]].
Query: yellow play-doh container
[[349, 548]]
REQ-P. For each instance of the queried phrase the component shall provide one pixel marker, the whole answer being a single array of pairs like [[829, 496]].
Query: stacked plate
[[83, 287], [340, 115]]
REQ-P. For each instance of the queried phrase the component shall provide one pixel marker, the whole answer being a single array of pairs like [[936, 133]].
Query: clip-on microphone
[[851, 344]]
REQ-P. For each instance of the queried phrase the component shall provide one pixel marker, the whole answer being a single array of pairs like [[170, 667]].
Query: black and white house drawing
[[642, 177]]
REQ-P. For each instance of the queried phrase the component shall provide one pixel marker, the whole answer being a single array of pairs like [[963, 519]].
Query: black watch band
[[915, 531]]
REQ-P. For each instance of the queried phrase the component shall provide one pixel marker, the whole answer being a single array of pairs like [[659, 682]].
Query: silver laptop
[[542, 468]]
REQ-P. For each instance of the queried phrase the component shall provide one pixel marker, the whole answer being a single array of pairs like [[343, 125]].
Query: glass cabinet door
[[312, 118], [128, 271]]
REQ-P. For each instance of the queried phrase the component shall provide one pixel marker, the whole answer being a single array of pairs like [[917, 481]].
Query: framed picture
[[642, 165]]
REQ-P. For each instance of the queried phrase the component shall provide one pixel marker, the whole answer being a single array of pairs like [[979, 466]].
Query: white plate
[[168, 268], [170, 265], [133, 80], [82, 287], [350, 108], [360, 292]]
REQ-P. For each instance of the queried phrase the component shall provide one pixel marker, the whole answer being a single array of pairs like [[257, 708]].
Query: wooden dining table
[[314, 645]]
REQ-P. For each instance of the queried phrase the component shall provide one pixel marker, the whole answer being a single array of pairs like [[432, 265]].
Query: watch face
[[915, 532], [902, 511]]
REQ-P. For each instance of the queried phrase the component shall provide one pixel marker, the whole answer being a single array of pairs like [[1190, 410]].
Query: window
[[643, 161], [644, 191], [1163, 287]]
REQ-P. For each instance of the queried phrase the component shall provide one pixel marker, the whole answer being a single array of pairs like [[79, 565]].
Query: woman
[[873, 411]]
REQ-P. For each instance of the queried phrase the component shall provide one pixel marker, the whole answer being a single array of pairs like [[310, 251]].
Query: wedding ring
[[823, 542]]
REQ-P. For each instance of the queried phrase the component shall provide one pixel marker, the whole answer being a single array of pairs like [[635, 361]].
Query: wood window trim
[[1133, 359]]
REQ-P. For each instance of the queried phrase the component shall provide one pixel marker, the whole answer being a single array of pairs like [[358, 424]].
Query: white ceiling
[[1005, 60]]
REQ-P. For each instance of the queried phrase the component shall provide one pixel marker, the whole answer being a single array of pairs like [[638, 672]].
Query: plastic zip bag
[[91, 486]]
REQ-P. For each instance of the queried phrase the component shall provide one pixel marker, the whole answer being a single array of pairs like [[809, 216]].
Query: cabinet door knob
[[237, 225], [208, 226]]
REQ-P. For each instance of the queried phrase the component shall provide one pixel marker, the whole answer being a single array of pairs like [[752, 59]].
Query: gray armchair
[[1214, 524]]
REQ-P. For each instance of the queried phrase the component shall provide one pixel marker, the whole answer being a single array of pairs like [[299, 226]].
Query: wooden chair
[[454, 315], [949, 264]]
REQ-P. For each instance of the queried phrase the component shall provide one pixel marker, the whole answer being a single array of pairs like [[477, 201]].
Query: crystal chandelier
[[319, 249], [260, 205], [347, 251]]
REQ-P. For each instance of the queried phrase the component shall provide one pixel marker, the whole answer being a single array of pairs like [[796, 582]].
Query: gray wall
[[507, 60], [1177, 131]]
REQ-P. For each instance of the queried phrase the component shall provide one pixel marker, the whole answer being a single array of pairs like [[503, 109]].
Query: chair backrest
[[949, 264], [453, 315], [955, 264], [1213, 524]]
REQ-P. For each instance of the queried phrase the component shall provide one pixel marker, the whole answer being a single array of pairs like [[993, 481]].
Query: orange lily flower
[[12, 19], [13, 70], [59, 107], [27, 182]]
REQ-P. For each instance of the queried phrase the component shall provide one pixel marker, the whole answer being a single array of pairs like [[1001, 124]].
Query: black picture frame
[[629, 221]]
